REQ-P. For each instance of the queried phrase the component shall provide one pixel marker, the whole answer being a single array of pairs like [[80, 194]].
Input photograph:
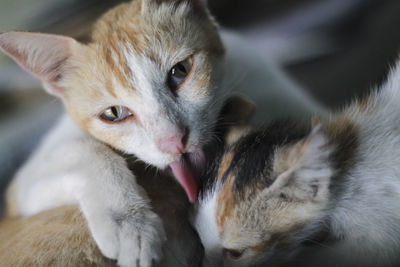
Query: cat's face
[[268, 190], [154, 66], [147, 83]]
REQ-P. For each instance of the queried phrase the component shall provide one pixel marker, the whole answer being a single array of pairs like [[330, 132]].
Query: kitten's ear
[[43, 55], [237, 113], [304, 169], [238, 109]]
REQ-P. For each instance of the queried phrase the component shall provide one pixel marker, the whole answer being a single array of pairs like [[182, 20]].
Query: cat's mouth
[[187, 171]]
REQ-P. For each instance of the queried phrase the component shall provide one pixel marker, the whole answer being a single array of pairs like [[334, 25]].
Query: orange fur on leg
[[57, 237]]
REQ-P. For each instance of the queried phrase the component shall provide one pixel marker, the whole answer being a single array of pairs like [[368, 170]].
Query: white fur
[[367, 213], [205, 223], [71, 167], [261, 80]]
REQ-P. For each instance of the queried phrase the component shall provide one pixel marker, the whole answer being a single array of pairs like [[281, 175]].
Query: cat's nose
[[174, 145]]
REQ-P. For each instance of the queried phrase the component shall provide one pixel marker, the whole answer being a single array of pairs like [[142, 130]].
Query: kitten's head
[[146, 83], [265, 194]]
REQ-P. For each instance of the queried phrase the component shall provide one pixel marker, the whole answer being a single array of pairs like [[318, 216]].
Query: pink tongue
[[184, 175]]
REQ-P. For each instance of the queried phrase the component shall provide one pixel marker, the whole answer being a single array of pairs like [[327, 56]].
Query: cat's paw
[[133, 239]]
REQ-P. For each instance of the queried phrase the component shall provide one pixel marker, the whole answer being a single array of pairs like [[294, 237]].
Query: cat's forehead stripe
[[110, 88], [112, 36], [118, 64]]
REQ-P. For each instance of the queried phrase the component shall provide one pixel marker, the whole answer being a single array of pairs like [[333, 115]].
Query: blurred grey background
[[336, 49]]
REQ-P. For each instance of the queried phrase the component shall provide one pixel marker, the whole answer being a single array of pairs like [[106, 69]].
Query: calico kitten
[[326, 194], [150, 83]]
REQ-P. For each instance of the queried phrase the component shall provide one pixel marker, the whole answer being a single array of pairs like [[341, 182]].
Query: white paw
[[134, 239]]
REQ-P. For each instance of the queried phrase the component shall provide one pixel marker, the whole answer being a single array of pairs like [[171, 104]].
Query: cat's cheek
[[142, 147], [131, 139]]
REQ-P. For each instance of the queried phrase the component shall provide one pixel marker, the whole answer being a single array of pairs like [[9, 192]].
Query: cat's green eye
[[116, 114], [178, 73], [233, 254]]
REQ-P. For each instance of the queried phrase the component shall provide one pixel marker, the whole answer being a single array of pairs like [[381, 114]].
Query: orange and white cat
[[61, 237], [150, 83]]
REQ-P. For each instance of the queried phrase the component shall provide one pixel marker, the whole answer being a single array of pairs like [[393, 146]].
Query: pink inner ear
[[10, 48], [54, 72], [43, 55]]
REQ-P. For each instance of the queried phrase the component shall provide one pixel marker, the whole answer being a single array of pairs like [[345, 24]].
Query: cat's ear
[[238, 110], [304, 169], [236, 114], [43, 55]]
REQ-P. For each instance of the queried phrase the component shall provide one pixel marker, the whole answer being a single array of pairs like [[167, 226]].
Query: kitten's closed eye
[[116, 114], [178, 73]]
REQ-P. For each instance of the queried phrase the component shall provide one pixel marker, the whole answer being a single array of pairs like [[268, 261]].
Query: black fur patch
[[253, 154], [214, 153], [252, 160]]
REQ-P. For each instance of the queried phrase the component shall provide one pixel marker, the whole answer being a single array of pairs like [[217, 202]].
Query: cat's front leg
[[119, 213], [71, 167]]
